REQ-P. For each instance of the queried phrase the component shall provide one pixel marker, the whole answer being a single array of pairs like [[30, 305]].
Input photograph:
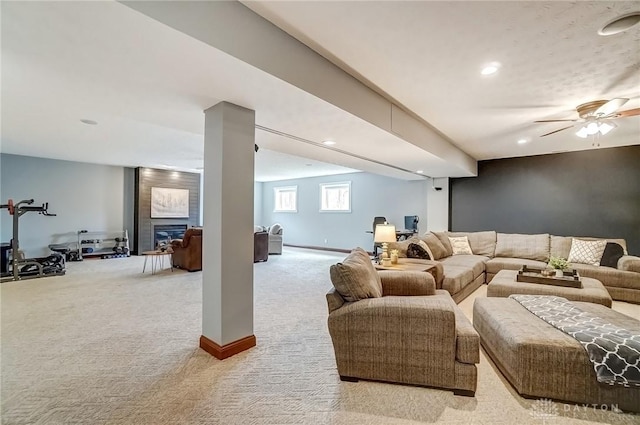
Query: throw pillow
[[586, 252], [402, 246], [437, 249], [612, 253], [356, 278], [415, 250], [460, 245], [424, 245]]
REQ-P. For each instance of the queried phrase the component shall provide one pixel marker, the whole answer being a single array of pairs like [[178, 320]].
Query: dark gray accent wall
[[145, 179], [587, 193]]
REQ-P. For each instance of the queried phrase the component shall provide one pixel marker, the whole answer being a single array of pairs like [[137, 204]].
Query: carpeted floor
[[106, 344]]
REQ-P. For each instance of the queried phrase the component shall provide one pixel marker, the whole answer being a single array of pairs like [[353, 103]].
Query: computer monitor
[[411, 223]]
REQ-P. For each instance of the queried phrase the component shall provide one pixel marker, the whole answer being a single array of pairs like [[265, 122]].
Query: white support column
[[227, 243]]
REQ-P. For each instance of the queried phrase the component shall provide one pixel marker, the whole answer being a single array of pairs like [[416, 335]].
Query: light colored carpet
[[106, 344]]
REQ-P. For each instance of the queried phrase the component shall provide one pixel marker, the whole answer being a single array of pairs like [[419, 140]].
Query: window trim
[[279, 189], [334, 184]]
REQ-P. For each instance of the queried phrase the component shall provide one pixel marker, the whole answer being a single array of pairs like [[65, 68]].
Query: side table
[[157, 260]]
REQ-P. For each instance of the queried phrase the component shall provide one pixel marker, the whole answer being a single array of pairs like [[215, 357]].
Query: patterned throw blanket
[[614, 351]]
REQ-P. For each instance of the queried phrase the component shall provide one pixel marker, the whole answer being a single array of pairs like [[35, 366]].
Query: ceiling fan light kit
[[593, 114], [594, 128]]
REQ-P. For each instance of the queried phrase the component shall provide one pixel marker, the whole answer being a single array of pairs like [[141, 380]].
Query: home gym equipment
[[104, 244], [28, 268]]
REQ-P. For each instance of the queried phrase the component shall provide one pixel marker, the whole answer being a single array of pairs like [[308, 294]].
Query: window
[[335, 197], [285, 199]]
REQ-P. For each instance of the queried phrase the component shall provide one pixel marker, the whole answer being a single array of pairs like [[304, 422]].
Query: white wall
[[84, 196], [257, 203], [438, 206], [371, 195]]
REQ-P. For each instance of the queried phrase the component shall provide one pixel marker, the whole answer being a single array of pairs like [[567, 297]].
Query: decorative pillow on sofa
[[438, 250], [460, 245], [612, 253], [402, 246], [586, 252], [416, 250], [355, 278]]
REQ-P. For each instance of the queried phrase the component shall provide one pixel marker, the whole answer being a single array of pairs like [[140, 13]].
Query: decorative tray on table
[[529, 274]]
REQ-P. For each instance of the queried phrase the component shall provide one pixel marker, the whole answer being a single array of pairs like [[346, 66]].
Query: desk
[[157, 260]]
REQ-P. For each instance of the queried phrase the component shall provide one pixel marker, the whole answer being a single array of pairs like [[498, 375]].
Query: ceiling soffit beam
[[236, 30]]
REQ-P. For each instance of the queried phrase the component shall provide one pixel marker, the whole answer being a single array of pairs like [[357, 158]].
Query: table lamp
[[384, 234]]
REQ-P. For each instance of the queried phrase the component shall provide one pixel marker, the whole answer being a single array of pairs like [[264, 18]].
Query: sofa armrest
[[406, 283], [629, 263], [334, 300], [390, 323]]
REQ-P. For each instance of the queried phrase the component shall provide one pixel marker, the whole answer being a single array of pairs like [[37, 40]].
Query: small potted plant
[[559, 264]]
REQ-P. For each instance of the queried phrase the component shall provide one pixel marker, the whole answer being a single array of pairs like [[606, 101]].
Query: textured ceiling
[[428, 56], [147, 84]]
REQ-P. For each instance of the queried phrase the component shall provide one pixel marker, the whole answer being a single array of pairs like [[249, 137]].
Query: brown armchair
[[187, 252]]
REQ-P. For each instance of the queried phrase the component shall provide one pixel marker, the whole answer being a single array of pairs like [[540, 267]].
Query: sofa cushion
[[494, 265], [456, 277], [402, 246], [444, 240], [612, 253], [482, 243], [474, 262], [435, 245], [355, 278], [531, 247], [587, 252], [561, 245], [460, 245]]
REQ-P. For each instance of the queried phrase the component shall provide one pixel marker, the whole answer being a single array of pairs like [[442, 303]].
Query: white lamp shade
[[385, 233]]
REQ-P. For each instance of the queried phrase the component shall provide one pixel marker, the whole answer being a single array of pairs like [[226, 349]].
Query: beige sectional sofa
[[492, 252]]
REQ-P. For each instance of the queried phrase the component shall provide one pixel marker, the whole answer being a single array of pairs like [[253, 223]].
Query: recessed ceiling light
[[522, 141], [490, 68], [308, 165], [620, 24], [328, 142], [89, 122], [419, 171]]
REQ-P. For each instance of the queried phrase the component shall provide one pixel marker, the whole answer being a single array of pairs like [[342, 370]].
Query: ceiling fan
[[596, 116]]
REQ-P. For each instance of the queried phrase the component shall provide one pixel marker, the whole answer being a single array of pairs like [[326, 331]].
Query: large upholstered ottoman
[[541, 361], [504, 284]]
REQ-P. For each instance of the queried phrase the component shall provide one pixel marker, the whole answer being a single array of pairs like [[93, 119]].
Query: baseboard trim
[[227, 350], [322, 248]]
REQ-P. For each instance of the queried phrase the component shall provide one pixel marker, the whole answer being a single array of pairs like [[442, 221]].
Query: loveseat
[[394, 326], [492, 252]]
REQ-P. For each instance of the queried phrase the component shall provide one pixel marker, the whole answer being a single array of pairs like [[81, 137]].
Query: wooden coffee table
[[404, 265], [504, 283]]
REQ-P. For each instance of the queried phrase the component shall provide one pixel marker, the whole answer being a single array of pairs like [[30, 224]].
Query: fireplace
[[165, 233]]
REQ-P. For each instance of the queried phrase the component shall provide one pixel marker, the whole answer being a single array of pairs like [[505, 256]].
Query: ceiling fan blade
[[610, 107], [555, 120], [628, 113], [556, 131]]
